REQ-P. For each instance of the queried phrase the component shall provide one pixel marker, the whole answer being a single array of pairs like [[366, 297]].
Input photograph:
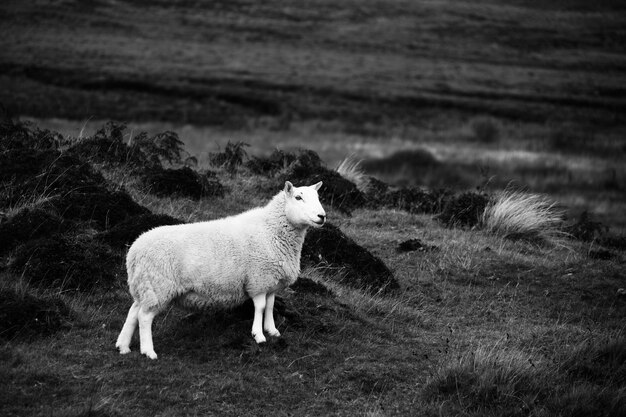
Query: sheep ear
[[288, 188], [318, 186]]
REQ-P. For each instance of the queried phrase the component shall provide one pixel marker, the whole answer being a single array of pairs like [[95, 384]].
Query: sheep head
[[302, 205]]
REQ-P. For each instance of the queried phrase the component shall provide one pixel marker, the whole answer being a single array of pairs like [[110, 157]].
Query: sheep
[[220, 263]]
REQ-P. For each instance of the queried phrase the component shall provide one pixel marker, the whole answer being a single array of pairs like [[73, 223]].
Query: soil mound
[[26, 316], [68, 262], [183, 182], [26, 224], [332, 251], [103, 209], [127, 231], [41, 174]]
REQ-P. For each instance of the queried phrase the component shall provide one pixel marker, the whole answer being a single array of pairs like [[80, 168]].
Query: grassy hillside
[[481, 323], [431, 292]]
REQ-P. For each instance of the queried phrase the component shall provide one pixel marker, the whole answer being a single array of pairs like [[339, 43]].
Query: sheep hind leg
[[257, 324], [268, 324], [123, 340], [146, 316]]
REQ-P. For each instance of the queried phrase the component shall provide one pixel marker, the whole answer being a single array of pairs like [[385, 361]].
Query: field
[[454, 95]]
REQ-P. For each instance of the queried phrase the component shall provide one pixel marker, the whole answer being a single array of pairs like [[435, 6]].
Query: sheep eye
[[298, 198]]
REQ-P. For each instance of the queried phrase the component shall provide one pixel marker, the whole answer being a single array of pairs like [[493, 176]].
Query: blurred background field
[[433, 93]]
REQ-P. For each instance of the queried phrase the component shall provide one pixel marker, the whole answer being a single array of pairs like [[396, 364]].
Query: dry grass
[[515, 214], [489, 377], [350, 168]]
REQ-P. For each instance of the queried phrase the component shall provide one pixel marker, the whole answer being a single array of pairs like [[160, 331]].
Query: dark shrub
[[67, 263], [183, 182], [29, 223], [330, 250], [231, 158], [376, 194], [585, 228], [103, 209], [271, 165], [412, 199], [26, 316], [107, 146], [19, 135], [32, 173], [415, 200], [464, 210], [127, 231], [159, 148]]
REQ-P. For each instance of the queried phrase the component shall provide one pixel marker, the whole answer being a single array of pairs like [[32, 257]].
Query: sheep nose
[[322, 217]]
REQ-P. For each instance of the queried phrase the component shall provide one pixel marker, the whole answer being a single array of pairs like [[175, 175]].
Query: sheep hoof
[[124, 350], [259, 338], [151, 354], [273, 332]]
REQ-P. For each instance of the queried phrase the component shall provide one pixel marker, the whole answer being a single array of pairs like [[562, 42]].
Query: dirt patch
[[68, 262], [26, 316], [413, 245], [330, 250]]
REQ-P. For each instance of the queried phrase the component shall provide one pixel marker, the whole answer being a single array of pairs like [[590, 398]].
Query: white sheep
[[220, 263]]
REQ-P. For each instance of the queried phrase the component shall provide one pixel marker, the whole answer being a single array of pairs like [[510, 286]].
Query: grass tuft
[[519, 215], [350, 169], [488, 378]]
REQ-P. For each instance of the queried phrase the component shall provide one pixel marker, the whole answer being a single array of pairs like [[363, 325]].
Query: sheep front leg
[[268, 323], [257, 325]]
